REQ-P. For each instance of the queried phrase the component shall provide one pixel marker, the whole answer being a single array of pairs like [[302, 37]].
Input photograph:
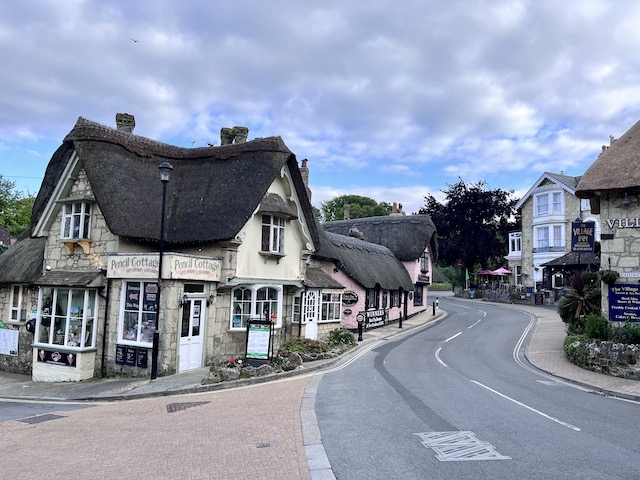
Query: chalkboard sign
[[539, 298], [120, 349], [130, 356], [141, 357]]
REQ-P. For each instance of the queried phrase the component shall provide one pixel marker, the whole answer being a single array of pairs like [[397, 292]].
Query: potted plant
[[609, 276]]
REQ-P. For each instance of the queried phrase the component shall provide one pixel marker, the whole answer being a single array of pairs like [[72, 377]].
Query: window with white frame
[[585, 204], [256, 302], [17, 312], [138, 308], [557, 202], [543, 237], [331, 307], [272, 234], [515, 242], [66, 317], [557, 236], [76, 220], [542, 204], [297, 307]]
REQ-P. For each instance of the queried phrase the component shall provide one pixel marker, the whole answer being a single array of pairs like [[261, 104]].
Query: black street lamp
[[165, 171]]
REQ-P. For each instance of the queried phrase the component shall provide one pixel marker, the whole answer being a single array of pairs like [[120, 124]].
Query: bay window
[[139, 304], [66, 317], [256, 302]]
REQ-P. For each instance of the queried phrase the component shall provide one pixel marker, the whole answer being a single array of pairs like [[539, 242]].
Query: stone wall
[[616, 359]]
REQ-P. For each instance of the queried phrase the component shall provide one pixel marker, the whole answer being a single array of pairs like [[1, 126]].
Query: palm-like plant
[[581, 297]]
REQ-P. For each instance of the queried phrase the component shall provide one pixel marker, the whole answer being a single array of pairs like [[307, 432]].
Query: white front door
[[191, 333], [310, 313]]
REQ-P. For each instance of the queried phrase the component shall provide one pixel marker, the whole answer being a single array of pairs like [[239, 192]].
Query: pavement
[[544, 350]]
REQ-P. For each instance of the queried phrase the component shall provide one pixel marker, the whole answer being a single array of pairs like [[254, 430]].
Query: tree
[[473, 224], [359, 207], [15, 209]]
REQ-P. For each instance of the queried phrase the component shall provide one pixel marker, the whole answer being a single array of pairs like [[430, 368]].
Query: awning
[[72, 278]]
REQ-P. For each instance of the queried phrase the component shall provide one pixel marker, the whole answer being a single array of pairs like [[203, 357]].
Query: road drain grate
[[41, 418], [459, 447], [176, 407]]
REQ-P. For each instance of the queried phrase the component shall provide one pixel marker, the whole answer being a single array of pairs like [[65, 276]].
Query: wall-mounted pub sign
[[349, 298], [582, 236]]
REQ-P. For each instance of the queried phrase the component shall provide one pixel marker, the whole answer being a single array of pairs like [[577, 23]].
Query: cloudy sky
[[391, 100]]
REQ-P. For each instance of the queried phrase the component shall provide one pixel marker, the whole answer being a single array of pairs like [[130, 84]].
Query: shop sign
[[55, 357], [349, 298], [624, 303], [623, 223], [174, 266], [582, 236], [132, 356], [376, 318], [258, 339]]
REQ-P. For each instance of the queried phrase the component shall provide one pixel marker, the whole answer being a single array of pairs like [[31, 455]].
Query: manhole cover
[[41, 418], [175, 407], [459, 447]]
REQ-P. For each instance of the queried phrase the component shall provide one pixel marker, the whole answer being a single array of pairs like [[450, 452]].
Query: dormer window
[[272, 234], [76, 221]]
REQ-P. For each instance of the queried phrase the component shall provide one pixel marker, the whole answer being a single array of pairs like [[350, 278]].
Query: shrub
[[581, 298], [576, 351], [340, 336], [596, 326], [303, 345], [628, 333]]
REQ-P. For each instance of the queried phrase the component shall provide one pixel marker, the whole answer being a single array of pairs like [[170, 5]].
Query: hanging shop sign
[[582, 236], [349, 298], [624, 303]]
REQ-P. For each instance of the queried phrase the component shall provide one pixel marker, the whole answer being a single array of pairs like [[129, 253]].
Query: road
[[458, 400]]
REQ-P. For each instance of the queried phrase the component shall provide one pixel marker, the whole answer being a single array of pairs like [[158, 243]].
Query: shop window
[[331, 307], [76, 220], [418, 298], [138, 309], [256, 302], [424, 262], [272, 234], [66, 317], [17, 312]]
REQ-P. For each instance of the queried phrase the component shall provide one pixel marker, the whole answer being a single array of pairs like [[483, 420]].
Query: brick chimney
[[304, 171], [125, 122]]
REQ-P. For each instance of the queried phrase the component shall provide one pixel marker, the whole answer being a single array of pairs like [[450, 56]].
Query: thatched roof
[[274, 204], [22, 263], [617, 167], [317, 278], [369, 264], [211, 194], [407, 236]]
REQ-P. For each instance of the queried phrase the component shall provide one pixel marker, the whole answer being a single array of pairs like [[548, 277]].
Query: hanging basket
[[609, 276]]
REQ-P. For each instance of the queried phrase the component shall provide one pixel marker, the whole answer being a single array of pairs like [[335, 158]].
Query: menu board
[[258, 339], [8, 341], [624, 303]]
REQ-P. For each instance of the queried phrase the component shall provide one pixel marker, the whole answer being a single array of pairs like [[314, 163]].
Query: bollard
[[437, 303], [434, 308], [400, 321], [359, 331]]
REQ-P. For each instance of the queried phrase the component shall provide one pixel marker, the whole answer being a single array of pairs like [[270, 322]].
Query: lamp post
[[165, 171]]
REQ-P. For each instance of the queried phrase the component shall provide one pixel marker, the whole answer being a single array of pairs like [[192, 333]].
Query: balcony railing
[[549, 249]]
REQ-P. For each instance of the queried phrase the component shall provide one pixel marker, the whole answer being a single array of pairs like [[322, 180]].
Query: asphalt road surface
[[457, 400]]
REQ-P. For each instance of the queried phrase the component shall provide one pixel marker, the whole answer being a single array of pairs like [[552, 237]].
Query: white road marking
[[439, 359], [451, 338], [528, 407]]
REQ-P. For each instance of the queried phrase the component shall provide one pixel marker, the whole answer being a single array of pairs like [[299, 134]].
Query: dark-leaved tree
[[473, 224]]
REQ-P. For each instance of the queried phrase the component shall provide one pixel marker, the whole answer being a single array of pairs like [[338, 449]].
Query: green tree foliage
[[360, 207], [473, 224], [15, 209]]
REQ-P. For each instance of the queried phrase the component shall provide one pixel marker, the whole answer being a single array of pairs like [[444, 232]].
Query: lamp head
[[165, 171]]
